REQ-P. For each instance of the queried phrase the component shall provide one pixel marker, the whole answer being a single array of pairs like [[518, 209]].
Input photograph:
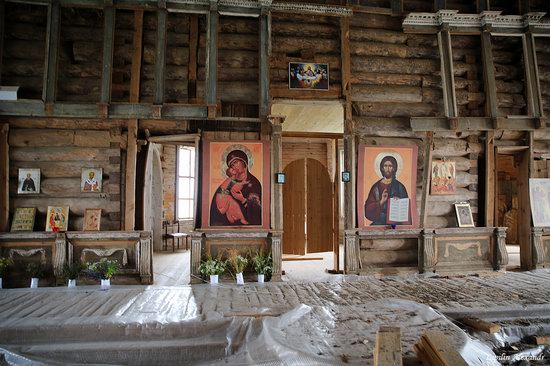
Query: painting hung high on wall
[[91, 180], [443, 177], [386, 186], [57, 218], [28, 181], [304, 75], [539, 197], [236, 184]]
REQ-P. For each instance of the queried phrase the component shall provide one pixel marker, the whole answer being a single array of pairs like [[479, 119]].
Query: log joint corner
[[540, 123], [103, 109], [453, 123]]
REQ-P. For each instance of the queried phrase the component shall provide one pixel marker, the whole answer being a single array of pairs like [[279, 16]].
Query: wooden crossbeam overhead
[[28, 107], [468, 24], [225, 7], [474, 123]]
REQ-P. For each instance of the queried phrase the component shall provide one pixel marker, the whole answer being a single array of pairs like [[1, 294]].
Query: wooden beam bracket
[[540, 123], [157, 111], [103, 110], [212, 111], [453, 123]]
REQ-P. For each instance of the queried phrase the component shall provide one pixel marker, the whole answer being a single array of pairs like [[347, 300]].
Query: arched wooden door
[[308, 208], [294, 208], [320, 208]]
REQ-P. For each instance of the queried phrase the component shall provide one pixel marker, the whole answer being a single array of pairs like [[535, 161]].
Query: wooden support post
[[2, 26], [193, 54], [447, 77], [277, 166], [349, 166], [428, 146], [534, 99], [108, 47], [387, 351], [524, 6], [264, 49], [397, 7], [160, 60], [440, 5], [491, 105], [4, 177], [52, 46], [490, 165], [136, 58], [212, 54], [482, 5], [131, 157], [346, 64]]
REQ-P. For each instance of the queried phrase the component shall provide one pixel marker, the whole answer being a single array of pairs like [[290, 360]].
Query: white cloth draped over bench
[[105, 253], [29, 253]]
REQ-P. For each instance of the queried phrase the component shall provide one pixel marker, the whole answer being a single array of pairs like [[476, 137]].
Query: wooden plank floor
[[172, 268]]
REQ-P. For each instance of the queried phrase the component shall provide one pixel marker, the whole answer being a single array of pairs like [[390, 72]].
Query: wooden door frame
[[332, 150], [524, 206]]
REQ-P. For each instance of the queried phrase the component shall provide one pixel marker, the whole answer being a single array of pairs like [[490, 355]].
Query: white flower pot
[[213, 279], [34, 282], [260, 278], [240, 279], [105, 284], [71, 284]]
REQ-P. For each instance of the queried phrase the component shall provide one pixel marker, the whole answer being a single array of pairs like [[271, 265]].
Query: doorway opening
[[311, 215], [512, 208]]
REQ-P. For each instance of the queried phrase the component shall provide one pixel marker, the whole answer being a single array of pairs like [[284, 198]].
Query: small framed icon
[[280, 178], [345, 177]]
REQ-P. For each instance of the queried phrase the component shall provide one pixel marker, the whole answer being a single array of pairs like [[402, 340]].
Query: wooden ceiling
[[311, 116]]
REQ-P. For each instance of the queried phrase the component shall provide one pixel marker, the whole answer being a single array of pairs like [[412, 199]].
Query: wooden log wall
[[238, 61], [396, 76], [307, 38], [468, 74], [177, 58], [24, 48], [60, 154], [510, 76], [393, 74], [122, 56], [80, 55]]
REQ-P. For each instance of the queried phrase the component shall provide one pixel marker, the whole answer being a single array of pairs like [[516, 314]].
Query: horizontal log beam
[[35, 108], [473, 123]]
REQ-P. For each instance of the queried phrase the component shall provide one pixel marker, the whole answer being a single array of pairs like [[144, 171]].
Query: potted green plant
[[36, 271], [212, 267], [71, 271], [4, 264], [105, 269], [263, 264], [238, 262]]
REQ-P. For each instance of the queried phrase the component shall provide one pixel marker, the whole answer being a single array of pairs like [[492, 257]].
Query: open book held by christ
[[398, 211]]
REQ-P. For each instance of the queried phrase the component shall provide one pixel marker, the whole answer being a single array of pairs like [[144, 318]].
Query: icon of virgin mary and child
[[237, 201]]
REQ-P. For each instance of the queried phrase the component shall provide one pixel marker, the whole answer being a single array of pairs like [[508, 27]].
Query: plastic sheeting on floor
[[166, 326]]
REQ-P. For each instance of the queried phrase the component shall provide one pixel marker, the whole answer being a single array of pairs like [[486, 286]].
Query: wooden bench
[[175, 236]]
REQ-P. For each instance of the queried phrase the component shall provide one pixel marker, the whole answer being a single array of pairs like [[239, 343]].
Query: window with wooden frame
[[185, 183]]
